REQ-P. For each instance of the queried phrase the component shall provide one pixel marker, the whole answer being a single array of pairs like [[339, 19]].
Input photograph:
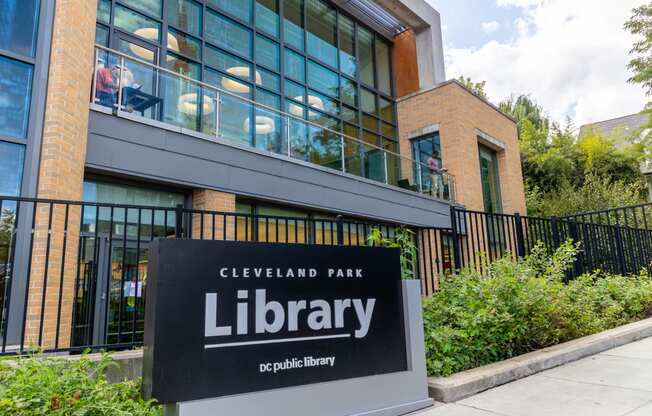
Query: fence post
[[520, 237], [179, 221], [573, 230], [620, 249], [554, 228], [340, 231], [457, 250]]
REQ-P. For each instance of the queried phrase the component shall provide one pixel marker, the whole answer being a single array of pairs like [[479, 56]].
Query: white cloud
[[571, 56], [490, 27]]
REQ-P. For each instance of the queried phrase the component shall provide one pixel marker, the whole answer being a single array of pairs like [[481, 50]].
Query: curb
[[467, 383]]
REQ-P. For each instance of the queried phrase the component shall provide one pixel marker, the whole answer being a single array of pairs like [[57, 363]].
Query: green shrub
[[520, 306], [37, 385]]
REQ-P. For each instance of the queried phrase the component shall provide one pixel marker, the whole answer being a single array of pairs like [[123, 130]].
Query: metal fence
[[616, 240], [73, 274]]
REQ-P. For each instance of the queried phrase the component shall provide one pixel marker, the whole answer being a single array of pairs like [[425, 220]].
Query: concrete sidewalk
[[617, 382]]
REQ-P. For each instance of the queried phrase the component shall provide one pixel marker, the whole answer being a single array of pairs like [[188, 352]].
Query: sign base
[[391, 394]]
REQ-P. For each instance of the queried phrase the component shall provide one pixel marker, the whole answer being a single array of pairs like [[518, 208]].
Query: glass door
[[490, 180]]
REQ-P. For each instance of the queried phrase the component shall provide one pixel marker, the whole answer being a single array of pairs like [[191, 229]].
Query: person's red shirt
[[104, 81]]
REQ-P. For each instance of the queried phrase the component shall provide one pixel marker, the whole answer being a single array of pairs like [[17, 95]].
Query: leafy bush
[[403, 239], [518, 306], [54, 386]]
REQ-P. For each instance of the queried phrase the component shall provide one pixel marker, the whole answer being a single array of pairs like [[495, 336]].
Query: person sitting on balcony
[[106, 85], [436, 180]]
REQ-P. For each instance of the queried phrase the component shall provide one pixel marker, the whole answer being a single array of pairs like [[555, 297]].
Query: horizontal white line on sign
[[275, 341]]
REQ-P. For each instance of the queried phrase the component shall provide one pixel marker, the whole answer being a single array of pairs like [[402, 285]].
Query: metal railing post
[[122, 64], [218, 105], [340, 231], [419, 177], [179, 221], [457, 249], [288, 135], [386, 170], [520, 237], [95, 69], [342, 153]]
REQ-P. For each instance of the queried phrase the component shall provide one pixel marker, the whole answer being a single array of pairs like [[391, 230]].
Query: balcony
[[139, 91]]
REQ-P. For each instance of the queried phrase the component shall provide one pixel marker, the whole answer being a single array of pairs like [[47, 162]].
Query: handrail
[[450, 179]]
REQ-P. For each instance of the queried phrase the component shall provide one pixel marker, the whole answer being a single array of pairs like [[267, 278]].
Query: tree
[[640, 25], [477, 88], [523, 108]]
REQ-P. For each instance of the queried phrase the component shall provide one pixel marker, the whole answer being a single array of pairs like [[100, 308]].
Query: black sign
[[224, 318]]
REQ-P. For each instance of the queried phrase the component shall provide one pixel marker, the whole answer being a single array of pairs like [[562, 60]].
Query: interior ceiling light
[[188, 104], [264, 125], [239, 87], [151, 33]]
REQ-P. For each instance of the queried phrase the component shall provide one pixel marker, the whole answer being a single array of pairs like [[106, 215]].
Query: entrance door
[[110, 302]]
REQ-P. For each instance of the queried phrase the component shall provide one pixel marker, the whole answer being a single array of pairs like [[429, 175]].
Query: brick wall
[[459, 115], [208, 226], [61, 172]]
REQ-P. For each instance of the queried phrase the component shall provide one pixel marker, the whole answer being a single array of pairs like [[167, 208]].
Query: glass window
[[267, 52], [228, 83], [322, 32], [104, 11], [322, 102], [15, 93], [184, 44], [183, 66], [185, 15], [268, 99], [102, 35], [366, 55], [293, 24], [109, 193], [367, 101], [137, 24], [267, 16], [388, 130], [19, 26], [348, 63], [227, 34], [240, 8], [422, 149], [349, 92], [383, 67], [323, 79], [11, 168], [268, 79], [349, 114], [228, 63], [295, 91], [154, 7], [490, 180], [386, 110], [369, 122], [295, 66]]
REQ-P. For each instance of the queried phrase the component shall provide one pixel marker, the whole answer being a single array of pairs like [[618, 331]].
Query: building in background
[[300, 108]]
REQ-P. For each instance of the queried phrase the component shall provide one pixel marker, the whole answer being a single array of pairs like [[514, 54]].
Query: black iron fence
[[73, 274], [616, 240]]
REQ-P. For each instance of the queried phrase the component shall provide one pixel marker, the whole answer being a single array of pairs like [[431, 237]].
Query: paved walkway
[[617, 382]]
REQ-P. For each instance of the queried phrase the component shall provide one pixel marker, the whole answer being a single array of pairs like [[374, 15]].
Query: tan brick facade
[[208, 226], [61, 173], [461, 117]]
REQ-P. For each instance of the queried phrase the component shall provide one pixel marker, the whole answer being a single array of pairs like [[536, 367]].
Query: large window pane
[[185, 15], [240, 8], [19, 25], [101, 35], [267, 53], [11, 168], [383, 67], [349, 92], [227, 34], [386, 110], [267, 16], [366, 55], [184, 44], [104, 11], [295, 91], [295, 66], [154, 7], [228, 63], [183, 66], [268, 79], [348, 63], [293, 24], [15, 93], [228, 83], [322, 32], [368, 101], [137, 24], [323, 79]]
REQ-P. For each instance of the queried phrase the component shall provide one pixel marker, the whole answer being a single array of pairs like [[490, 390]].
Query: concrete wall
[[125, 147], [464, 120]]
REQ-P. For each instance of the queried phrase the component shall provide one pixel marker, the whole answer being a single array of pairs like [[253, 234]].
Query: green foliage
[[477, 88], [38, 385], [403, 239], [520, 306], [597, 193]]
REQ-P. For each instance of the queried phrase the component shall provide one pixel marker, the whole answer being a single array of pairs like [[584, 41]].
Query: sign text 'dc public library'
[[227, 318]]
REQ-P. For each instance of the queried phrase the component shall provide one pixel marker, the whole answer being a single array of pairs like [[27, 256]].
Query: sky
[[570, 56]]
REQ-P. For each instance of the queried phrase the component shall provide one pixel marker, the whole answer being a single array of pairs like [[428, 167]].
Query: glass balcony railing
[[138, 90]]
